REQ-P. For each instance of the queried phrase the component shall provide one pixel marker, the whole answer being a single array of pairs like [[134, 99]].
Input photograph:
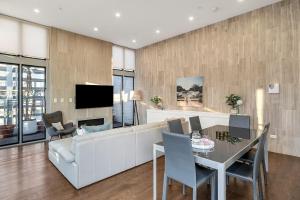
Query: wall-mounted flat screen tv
[[93, 96]]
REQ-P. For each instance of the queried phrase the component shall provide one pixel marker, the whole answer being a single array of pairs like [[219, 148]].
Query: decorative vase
[[234, 111], [160, 106]]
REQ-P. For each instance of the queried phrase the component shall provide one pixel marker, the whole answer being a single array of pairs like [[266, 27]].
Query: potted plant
[[29, 124], [157, 101], [235, 102]]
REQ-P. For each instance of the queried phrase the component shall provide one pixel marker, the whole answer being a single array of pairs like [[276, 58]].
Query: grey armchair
[[55, 117]]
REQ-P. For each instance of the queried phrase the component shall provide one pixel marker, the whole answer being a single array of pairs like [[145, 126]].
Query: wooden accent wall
[[76, 59], [239, 55]]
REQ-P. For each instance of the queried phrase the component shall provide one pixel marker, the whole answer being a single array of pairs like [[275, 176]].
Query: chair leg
[[213, 188], [165, 187], [261, 195], [265, 173], [255, 190], [169, 181], [261, 183], [195, 193]]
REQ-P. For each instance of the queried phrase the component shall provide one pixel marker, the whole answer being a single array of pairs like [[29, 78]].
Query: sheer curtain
[[23, 38]]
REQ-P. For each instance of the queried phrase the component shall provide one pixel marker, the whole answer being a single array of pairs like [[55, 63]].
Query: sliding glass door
[[34, 104], [127, 100], [9, 103], [118, 107], [29, 83], [123, 105]]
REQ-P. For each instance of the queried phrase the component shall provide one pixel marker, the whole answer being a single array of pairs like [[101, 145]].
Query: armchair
[[55, 117]]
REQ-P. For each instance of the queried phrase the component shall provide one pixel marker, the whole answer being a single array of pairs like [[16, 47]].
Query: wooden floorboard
[[27, 174]]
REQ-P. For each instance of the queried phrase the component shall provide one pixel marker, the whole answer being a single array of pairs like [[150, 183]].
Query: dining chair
[[239, 121], [180, 165], [195, 123], [175, 126], [250, 155], [251, 173]]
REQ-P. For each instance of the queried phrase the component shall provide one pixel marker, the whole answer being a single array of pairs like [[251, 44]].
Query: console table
[[207, 119]]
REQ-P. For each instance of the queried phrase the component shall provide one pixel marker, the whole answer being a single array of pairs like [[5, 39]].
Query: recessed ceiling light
[[36, 10], [215, 9], [118, 15], [240, 0], [157, 31], [96, 29], [133, 41], [191, 18]]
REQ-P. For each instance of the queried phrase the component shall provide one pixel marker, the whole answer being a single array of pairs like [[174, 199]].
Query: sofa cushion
[[63, 148], [85, 137], [147, 126], [93, 129]]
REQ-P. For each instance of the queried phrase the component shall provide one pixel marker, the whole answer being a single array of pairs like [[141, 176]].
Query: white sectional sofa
[[86, 159]]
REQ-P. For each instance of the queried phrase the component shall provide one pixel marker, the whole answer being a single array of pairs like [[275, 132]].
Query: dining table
[[230, 144]]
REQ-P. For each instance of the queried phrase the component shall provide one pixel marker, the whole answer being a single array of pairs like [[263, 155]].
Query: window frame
[[18, 113], [21, 90], [124, 73], [34, 62]]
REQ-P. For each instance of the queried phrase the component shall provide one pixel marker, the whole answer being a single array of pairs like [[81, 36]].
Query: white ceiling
[[139, 18]]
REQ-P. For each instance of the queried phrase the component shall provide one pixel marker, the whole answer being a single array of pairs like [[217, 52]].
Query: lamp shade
[[137, 95]]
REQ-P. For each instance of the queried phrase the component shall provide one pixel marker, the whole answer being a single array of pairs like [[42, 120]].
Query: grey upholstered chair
[[55, 117], [251, 173], [195, 123], [249, 157], [175, 126], [180, 165], [239, 121]]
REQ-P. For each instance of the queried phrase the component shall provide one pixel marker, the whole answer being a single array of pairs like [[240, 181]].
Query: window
[[23, 54], [9, 105], [34, 103], [118, 107], [123, 81]]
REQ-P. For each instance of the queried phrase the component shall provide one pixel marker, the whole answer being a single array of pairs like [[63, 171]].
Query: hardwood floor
[[26, 174]]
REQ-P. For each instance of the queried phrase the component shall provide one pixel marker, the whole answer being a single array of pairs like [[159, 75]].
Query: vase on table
[[235, 111]]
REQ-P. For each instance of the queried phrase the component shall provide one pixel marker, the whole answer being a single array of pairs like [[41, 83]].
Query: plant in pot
[[157, 101], [235, 102], [29, 123]]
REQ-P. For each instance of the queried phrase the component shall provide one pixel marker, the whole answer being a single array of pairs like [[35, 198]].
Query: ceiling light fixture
[[36, 10], [96, 29], [191, 18], [214, 9], [133, 41], [240, 1], [118, 15], [157, 31]]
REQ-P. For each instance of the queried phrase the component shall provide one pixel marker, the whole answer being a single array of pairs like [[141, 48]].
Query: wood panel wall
[[239, 55], [76, 59]]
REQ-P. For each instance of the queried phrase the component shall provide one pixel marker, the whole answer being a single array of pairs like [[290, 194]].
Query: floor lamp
[[137, 96]]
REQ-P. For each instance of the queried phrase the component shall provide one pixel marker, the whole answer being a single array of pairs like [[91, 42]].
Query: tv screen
[[93, 96]]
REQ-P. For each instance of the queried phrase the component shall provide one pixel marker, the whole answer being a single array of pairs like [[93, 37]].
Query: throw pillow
[[58, 126], [99, 128]]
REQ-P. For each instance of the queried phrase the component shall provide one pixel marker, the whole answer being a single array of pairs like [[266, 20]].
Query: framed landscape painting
[[190, 91]]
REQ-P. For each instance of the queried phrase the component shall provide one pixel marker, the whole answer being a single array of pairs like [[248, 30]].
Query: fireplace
[[91, 122]]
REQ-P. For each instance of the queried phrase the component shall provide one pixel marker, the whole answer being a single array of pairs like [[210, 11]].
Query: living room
[[91, 89]]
